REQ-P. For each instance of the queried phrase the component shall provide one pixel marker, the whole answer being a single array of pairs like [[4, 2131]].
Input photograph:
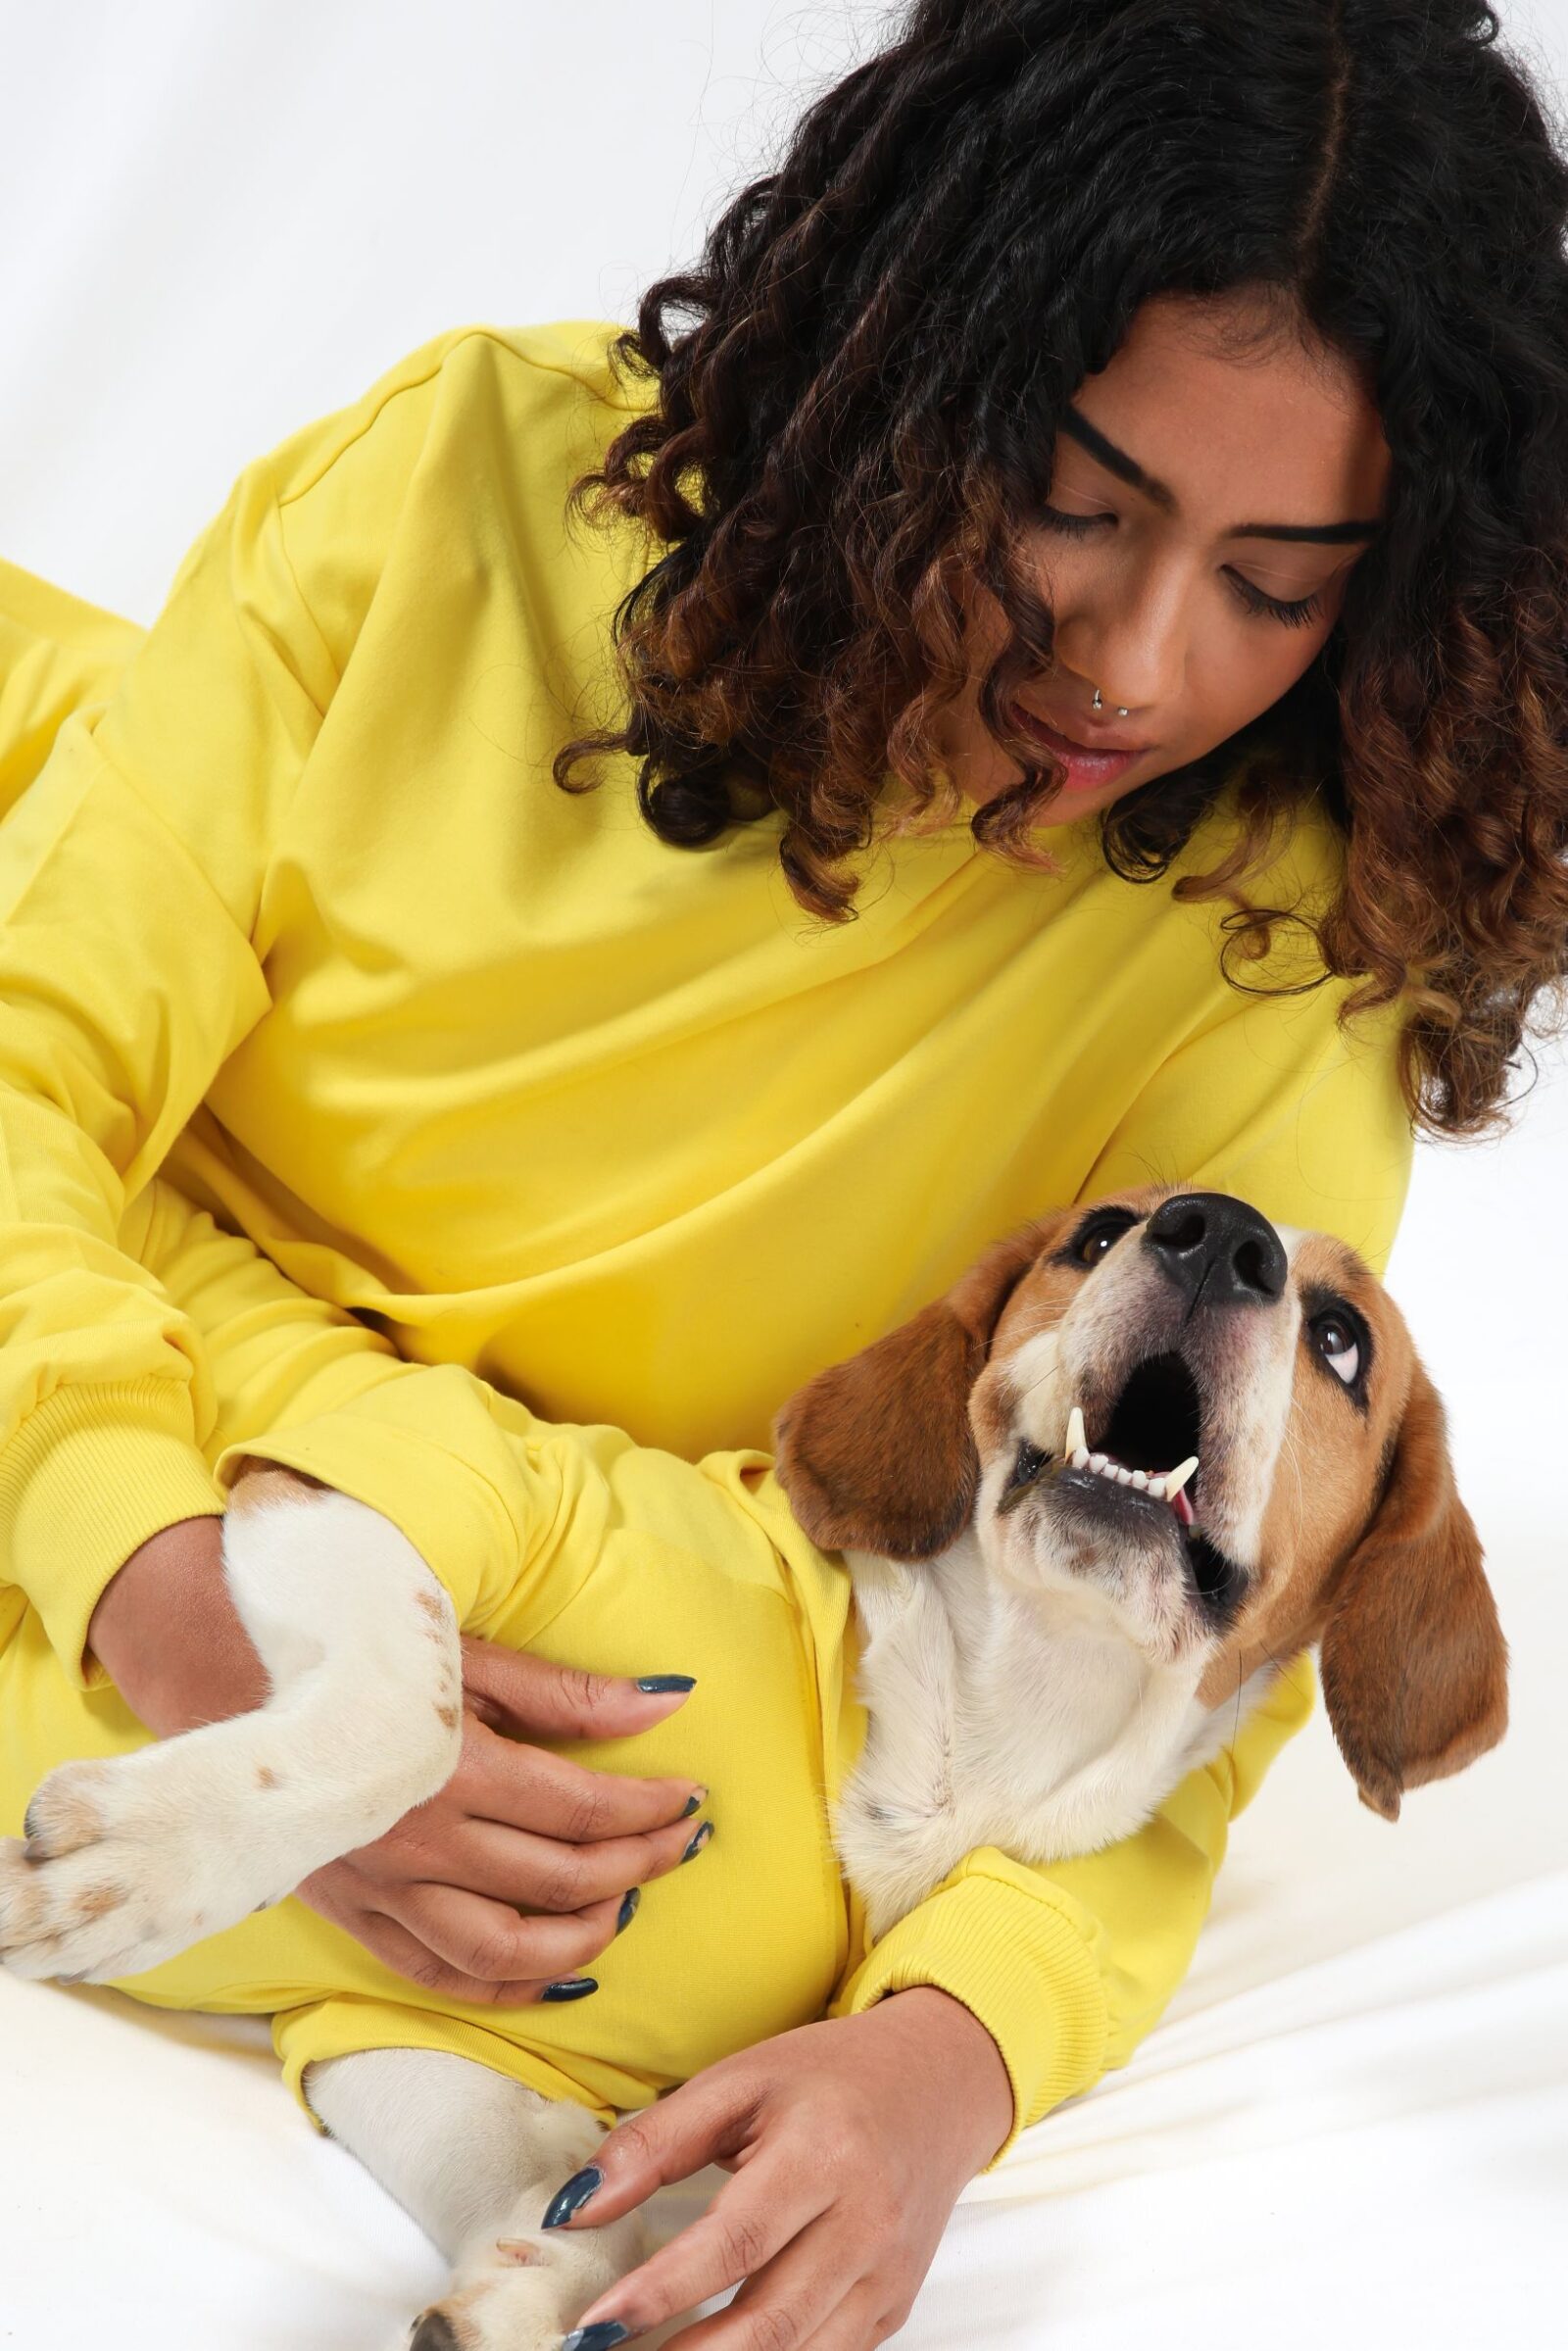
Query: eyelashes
[[1295, 614]]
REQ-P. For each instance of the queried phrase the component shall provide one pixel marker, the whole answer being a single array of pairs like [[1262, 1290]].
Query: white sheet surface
[[1353, 2124]]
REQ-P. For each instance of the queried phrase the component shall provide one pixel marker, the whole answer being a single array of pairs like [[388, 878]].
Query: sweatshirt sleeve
[[57, 655], [137, 858], [130, 870], [1068, 1967]]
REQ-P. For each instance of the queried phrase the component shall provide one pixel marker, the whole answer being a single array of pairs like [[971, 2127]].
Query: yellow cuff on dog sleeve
[[993, 1938], [449, 1511], [86, 1479]]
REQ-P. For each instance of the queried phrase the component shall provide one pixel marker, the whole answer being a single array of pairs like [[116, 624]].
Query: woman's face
[[1162, 596]]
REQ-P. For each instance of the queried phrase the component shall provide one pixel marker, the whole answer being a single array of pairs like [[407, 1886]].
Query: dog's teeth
[[1075, 1440], [1163, 1488]]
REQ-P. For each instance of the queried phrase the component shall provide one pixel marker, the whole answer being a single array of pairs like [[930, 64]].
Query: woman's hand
[[443, 1896], [507, 1882], [850, 2141]]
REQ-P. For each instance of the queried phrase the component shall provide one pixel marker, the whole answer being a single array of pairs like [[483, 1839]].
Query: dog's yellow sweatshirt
[[370, 1104]]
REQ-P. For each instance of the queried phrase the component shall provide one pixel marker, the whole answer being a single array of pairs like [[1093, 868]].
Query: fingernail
[[699, 1841], [628, 1910], [653, 1686], [570, 1988], [602, 2337], [573, 2196], [695, 1804]]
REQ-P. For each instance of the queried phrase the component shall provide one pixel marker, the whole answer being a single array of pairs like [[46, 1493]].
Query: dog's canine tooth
[[1075, 1439], [1176, 1479]]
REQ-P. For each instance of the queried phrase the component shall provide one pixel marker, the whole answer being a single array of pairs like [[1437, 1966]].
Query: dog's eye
[[1099, 1236], [1336, 1341]]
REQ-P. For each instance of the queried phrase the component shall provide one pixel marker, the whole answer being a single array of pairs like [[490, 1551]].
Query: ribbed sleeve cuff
[[1018, 1964], [451, 1514], [86, 1479]]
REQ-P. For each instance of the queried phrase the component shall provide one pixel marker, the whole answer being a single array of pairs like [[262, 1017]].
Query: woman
[[381, 1084]]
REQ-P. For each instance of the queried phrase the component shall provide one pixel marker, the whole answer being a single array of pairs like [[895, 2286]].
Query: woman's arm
[[169, 1638], [133, 878], [129, 878], [135, 869]]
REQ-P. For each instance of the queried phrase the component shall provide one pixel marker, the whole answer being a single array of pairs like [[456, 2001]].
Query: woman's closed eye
[[1293, 613]]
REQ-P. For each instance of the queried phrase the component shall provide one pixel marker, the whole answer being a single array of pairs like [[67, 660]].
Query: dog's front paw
[[111, 1879], [524, 2292]]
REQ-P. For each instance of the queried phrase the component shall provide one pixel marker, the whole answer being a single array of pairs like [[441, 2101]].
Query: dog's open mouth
[[1151, 1457], [1153, 1441]]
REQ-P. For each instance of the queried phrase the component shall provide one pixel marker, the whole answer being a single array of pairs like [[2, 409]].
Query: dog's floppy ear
[[876, 1454], [1413, 1664]]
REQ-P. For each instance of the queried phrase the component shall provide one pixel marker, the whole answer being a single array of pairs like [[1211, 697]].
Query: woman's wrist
[[169, 1636], [968, 2075]]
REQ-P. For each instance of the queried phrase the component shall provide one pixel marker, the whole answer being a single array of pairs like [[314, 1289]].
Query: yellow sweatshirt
[[504, 1115]]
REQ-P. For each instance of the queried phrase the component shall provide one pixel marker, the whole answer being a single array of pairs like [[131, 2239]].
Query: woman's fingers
[[534, 1871], [760, 2227], [403, 1952], [489, 1942], [700, 2122], [549, 1851], [809, 2296], [526, 1787], [544, 1700]]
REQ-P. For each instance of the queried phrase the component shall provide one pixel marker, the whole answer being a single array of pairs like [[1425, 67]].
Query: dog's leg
[[132, 1859], [475, 2159]]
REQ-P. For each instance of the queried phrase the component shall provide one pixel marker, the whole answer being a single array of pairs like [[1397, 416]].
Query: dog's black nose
[[1217, 1251]]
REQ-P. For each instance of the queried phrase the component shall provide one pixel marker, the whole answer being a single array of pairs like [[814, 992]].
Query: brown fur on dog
[[1413, 1662], [878, 1454]]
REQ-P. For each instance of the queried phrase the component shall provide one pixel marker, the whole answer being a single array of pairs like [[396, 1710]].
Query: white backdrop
[[217, 221]]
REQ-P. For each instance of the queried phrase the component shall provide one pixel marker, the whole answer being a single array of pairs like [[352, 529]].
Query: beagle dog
[[1087, 1500]]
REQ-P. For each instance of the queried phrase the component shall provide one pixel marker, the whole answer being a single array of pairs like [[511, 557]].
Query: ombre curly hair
[[885, 332]]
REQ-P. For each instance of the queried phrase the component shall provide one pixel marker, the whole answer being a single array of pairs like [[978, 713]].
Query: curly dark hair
[[887, 330]]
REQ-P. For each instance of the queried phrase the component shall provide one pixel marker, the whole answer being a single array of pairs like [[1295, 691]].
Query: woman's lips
[[1084, 768]]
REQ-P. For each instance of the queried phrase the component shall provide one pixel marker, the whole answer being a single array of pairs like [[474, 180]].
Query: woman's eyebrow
[[1128, 469]]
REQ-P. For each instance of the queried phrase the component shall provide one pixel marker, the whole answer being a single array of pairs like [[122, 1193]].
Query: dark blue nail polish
[[695, 1804], [653, 1686], [699, 1841], [603, 2338], [628, 1910], [573, 2196], [570, 1988]]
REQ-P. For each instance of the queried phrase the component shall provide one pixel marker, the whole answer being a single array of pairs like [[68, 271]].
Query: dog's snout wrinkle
[[1218, 1251]]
